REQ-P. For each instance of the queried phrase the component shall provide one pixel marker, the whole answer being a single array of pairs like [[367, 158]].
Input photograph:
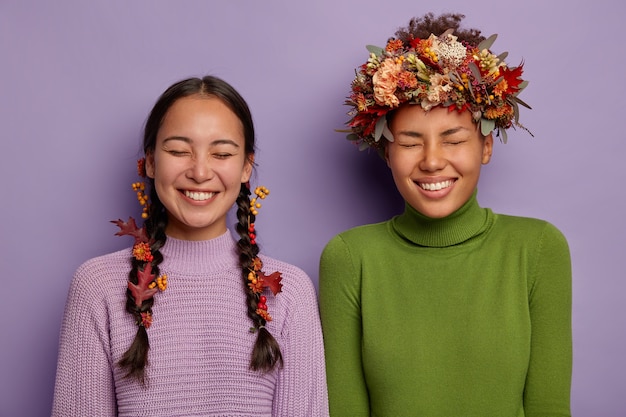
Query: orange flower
[[257, 264], [256, 287], [146, 319], [266, 316], [493, 113], [385, 82], [141, 252], [407, 79], [500, 88], [394, 45]]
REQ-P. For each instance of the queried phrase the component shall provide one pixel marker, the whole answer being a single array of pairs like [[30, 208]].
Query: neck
[[468, 221], [200, 255]]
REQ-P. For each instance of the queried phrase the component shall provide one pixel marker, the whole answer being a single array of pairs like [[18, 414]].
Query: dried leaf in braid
[[144, 280], [266, 353]]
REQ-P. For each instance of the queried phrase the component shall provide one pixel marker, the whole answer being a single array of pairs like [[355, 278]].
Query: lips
[[435, 186], [198, 195]]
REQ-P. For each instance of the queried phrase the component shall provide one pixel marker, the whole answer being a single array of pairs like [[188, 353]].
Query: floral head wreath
[[438, 71]]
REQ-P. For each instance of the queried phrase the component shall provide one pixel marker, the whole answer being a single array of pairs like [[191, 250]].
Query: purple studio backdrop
[[77, 80]]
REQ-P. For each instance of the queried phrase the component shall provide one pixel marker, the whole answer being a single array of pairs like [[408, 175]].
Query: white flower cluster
[[449, 50]]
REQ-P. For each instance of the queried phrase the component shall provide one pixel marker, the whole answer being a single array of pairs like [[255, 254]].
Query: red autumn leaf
[[140, 291], [130, 228], [272, 281], [513, 77]]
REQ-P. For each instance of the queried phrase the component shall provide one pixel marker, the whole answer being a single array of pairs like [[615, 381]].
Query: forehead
[[200, 117], [415, 118]]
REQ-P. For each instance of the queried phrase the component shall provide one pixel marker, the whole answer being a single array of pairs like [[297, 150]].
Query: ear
[[248, 164], [150, 165], [487, 149]]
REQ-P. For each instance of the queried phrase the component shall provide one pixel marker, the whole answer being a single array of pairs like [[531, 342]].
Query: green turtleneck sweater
[[465, 316]]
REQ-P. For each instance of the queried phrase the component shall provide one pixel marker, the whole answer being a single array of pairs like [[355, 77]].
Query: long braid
[[266, 352], [135, 358]]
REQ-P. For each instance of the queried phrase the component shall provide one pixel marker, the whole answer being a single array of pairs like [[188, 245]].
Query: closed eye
[[178, 153], [409, 145]]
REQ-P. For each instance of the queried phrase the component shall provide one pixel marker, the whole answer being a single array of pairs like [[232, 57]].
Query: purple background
[[77, 80]]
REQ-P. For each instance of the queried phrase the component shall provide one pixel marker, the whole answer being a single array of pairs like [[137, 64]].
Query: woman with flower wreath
[[188, 322], [448, 309]]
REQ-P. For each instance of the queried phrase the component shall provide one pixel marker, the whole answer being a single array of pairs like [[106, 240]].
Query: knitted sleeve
[[84, 382], [547, 390], [340, 308], [301, 384]]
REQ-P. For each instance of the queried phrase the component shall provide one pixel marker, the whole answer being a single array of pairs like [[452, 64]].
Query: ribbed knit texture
[[465, 316], [200, 344]]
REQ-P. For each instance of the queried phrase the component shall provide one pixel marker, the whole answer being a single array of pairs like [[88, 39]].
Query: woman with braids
[[191, 321], [448, 309]]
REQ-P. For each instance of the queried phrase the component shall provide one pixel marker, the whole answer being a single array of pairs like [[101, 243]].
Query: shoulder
[[105, 264], [294, 279], [101, 274], [297, 299], [360, 236], [529, 226]]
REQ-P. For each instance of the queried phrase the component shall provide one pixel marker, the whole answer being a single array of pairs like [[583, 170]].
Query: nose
[[200, 170], [432, 158]]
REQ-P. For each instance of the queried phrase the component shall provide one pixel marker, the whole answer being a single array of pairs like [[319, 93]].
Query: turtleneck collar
[[468, 221], [201, 256]]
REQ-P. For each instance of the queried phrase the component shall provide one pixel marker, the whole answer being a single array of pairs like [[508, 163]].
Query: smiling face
[[198, 165], [436, 157]]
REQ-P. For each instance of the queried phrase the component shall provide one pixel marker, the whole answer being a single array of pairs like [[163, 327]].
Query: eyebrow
[[213, 143], [447, 132]]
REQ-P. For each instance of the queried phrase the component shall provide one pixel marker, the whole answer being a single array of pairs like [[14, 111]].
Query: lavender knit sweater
[[200, 345]]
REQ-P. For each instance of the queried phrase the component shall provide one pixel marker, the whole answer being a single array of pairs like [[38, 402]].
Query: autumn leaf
[[513, 77], [272, 281], [130, 228], [140, 291]]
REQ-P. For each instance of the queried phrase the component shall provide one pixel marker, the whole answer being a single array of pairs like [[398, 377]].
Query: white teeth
[[198, 196], [435, 186]]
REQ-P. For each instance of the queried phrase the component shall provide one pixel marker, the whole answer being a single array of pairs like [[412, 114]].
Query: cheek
[[233, 174], [165, 169], [470, 164], [399, 163]]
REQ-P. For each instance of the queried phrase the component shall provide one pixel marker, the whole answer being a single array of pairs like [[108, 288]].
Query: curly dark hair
[[422, 27]]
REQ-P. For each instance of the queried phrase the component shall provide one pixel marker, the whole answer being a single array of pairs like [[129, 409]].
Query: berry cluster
[[261, 193], [140, 188], [160, 282], [261, 309]]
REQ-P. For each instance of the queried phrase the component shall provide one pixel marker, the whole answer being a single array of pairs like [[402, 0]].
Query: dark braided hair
[[135, 358], [266, 353]]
